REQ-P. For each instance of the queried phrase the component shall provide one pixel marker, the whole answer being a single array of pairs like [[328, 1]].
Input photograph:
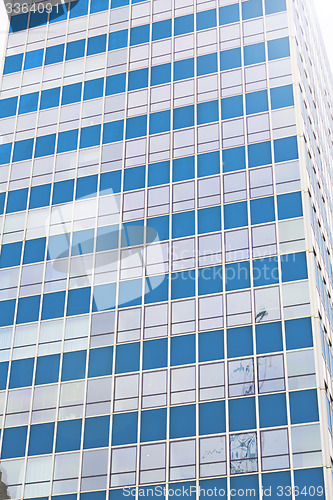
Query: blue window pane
[[73, 365], [155, 354], [78, 301], [272, 410], [63, 192], [21, 373], [289, 205], [183, 69], [305, 478], [45, 145], [139, 34], [276, 479], [8, 107], [298, 333], [53, 305], [160, 225], [303, 406], [209, 220], [5, 152], [134, 178], [3, 375], [59, 13], [254, 54], [159, 122], [210, 280], [34, 59], [41, 439], [86, 187], [136, 127], [242, 414], [90, 136], [28, 103], [211, 346], [273, 6], [262, 210], [239, 341], [212, 417], [23, 150], [110, 182], [96, 432], [104, 297], [156, 287], [235, 215], [118, 3], [237, 275], [47, 369], [54, 54], [183, 284], [184, 24], [260, 154], [71, 93], [78, 8], [18, 23], [206, 19], [14, 442], [182, 350], [124, 428], [158, 173], [93, 89], [153, 425], [28, 309], [113, 131], [229, 14], [230, 59], [294, 267], [183, 168], [281, 97], [138, 79], [107, 238], [118, 39], [162, 29], [285, 149], [183, 117], [207, 112], [100, 362], [17, 200], [13, 64], [251, 9], [10, 254], [67, 141], [50, 98], [68, 435], [183, 224], [128, 357], [233, 159], [182, 421], [96, 45], [247, 482], [115, 84], [83, 242], [256, 102], [160, 74], [206, 64], [232, 107], [269, 337], [75, 49], [265, 271], [278, 48], [208, 163], [7, 311]]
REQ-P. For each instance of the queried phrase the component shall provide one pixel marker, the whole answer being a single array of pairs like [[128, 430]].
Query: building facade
[[166, 251]]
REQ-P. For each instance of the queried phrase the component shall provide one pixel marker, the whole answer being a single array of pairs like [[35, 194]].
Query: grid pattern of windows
[[157, 321]]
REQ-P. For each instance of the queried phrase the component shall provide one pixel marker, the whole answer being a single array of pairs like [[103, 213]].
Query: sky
[[324, 11]]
